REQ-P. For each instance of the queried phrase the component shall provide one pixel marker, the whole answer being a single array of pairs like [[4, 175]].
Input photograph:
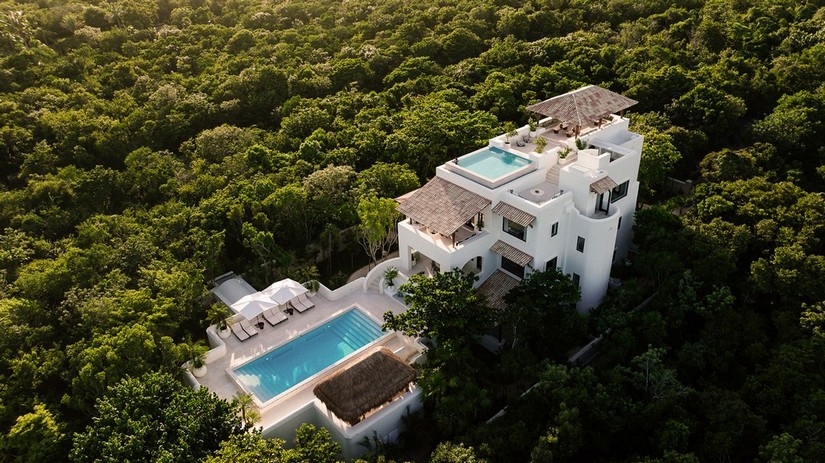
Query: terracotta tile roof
[[503, 249], [496, 287], [583, 106], [603, 185], [513, 214], [442, 206]]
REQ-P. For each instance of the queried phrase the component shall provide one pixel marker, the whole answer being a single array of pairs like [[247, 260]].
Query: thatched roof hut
[[365, 385]]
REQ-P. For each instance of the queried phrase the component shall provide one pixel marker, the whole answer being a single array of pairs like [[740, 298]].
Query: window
[[580, 244], [619, 192], [519, 231], [551, 264], [619, 226], [554, 230], [512, 267], [576, 279]]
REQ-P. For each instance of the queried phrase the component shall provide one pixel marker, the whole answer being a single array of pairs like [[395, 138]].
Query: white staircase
[[553, 172]]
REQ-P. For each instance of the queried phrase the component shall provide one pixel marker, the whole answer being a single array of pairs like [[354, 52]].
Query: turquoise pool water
[[493, 162], [281, 368]]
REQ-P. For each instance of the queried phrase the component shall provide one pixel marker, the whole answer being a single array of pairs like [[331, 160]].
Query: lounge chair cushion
[[274, 316], [250, 330], [298, 305], [239, 332], [306, 301]]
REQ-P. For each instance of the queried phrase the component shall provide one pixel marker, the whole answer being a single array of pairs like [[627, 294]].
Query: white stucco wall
[[574, 210]]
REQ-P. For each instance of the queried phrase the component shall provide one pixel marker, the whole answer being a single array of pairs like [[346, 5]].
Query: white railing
[[378, 272]]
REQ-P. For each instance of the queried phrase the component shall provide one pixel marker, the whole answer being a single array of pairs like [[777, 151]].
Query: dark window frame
[[554, 229], [507, 227], [620, 191], [512, 267], [580, 244]]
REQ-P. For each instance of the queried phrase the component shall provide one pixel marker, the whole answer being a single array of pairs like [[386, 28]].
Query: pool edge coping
[[230, 371], [492, 183]]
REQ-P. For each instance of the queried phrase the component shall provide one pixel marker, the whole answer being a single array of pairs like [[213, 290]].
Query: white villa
[[505, 209], [499, 212]]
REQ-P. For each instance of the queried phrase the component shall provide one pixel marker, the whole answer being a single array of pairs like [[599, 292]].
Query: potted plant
[[197, 360], [389, 275], [509, 131], [312, 286], [581, 144], [541, 144], [563, 155], [533, 128], [218, 316]]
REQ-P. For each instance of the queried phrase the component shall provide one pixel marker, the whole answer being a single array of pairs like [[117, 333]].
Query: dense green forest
[[148, 146]]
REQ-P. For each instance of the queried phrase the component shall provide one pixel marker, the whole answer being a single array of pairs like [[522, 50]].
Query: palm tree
[[246, 407]]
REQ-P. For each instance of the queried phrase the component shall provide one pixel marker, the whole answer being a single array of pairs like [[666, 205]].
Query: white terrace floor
[[237, 352]]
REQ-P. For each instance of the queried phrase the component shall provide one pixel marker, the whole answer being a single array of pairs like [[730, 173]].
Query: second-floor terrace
[[445, 212]]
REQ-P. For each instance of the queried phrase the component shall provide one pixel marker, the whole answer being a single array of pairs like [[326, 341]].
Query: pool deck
[[217, 379]]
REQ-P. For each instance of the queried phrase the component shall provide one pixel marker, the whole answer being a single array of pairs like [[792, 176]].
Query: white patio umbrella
[[284, 291], [252, 305]]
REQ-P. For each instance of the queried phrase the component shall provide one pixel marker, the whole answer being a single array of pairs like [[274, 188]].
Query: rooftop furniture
[[250, 330], [298, 305], [274, 316], [306, 301], [239, 332]]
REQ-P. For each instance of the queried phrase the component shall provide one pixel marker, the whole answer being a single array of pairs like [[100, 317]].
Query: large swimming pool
[[493, 162], [283, 367]]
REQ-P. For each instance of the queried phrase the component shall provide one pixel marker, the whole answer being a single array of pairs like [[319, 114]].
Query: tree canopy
[[148, 147]]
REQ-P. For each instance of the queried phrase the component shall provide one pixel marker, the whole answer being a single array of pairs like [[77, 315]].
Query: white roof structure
[[232, 290]]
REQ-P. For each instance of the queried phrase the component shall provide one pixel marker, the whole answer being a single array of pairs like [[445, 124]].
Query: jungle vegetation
[[147, 147]]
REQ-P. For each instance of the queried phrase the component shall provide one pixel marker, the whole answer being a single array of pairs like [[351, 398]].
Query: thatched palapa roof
[[581, 107], [365, 385]]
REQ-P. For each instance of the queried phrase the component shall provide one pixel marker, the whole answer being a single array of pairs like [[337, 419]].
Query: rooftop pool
[[279, 369], [491, 166]]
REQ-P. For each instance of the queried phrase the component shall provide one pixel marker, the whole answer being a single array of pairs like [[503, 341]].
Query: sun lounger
[[518, 143], [250, 330], [274, 316], [306, 301], [298, 305], [239, 332]]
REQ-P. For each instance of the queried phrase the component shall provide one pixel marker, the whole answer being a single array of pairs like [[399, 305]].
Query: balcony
[[449, 243]]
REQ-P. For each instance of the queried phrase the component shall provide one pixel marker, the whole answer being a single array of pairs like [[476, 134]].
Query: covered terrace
[[446, 209]]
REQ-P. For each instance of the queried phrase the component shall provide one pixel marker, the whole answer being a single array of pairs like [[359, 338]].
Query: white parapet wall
[[335, 294], [386, 424], [377, 272]]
